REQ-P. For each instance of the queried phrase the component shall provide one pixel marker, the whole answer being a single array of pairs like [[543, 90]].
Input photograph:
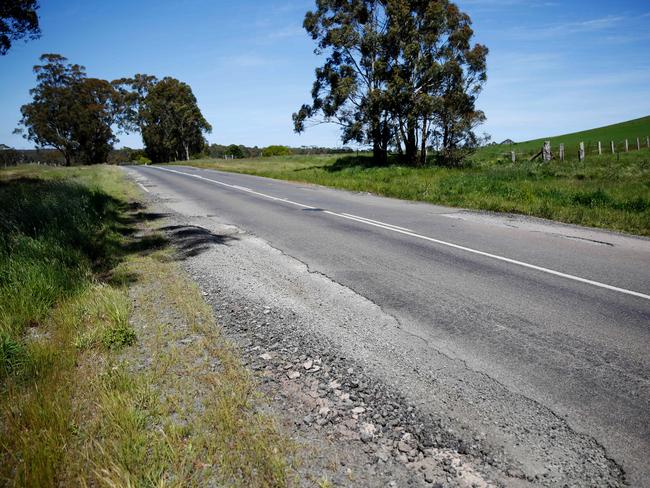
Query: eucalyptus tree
[[18, 20], [96, 111], [70, 112], [436, 77], [131, 92], [398, 72], [166, 114], [350, 87]]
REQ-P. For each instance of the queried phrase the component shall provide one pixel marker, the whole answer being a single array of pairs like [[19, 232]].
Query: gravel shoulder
[[372, 404]]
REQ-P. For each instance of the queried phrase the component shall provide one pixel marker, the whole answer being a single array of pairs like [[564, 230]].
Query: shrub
[[117, 336], [235, 151], [276, 151], [142, 160]]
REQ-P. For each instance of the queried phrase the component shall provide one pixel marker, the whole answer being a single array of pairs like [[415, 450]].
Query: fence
[[580, 151]]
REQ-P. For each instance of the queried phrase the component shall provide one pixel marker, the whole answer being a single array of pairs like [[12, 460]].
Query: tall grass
[[55, 235], [52, 236]]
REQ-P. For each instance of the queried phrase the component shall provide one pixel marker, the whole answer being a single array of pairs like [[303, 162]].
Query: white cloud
[[553, 31]]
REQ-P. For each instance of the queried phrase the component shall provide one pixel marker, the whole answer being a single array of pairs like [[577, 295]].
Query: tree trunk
[[410, 143], [398, 142], [423, 143], [187, 152], [379, 153], [379, 142]]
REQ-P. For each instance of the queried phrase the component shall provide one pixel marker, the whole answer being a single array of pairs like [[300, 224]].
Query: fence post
[[647, 141], [627, 146], [561, 152], [613, 147], [546, 151], [638, 144], [581, 153], [513, 156], [600, 149]]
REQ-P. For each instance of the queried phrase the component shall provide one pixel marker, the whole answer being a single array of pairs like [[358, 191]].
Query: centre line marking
[[401, 230], [376, 221]]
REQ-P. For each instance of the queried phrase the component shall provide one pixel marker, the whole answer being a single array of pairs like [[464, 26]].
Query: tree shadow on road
[[192, 240]]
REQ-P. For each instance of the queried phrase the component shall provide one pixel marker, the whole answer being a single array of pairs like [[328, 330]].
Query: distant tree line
[[76, 115], [11, 157], [53, 157], [240, 152], [398, 74]]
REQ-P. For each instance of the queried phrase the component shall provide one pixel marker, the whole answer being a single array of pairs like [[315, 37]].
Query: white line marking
[[236, 187], [376, 221], [407, 232], [143, 187]]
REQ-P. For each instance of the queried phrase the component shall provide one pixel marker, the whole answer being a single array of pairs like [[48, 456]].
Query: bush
[[142, 160], [276, 151], [118, 336], [235, 151]]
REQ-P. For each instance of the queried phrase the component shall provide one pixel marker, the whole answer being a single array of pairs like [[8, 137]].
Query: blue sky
[[553, 67]]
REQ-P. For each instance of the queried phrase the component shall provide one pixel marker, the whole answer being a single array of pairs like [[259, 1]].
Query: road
[[557, 316]]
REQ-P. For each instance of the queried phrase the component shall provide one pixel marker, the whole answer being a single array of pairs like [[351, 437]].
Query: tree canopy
[[276, 151], [167, 115], [70, 112], [18, 20], [76, 115], [398, 73]]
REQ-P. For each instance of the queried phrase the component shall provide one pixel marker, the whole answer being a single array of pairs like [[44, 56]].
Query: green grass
[[79, 404], [53, 236], [612, 193], [59, 230]]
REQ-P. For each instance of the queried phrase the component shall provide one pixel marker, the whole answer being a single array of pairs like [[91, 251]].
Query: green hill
[[616, 132]]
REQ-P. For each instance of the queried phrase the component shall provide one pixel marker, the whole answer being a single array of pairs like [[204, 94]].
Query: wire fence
[[581, 151]]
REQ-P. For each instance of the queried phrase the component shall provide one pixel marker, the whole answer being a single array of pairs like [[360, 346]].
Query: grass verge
[[112, 369], [603, 191]]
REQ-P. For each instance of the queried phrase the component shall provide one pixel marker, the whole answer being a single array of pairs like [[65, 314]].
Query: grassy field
[[616, 133], [602, 191], [97, 386]]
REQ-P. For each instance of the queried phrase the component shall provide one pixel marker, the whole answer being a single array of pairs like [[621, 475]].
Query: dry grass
[[194, 390]]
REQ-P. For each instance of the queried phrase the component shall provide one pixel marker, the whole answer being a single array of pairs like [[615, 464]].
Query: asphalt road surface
[[558, 315]]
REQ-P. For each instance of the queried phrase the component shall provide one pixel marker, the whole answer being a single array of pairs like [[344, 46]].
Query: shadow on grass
[[362, 162], [87, 227], [351, 162], [57, 237]]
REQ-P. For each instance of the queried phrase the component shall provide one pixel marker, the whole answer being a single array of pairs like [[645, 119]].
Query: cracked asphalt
[[548, 373]]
